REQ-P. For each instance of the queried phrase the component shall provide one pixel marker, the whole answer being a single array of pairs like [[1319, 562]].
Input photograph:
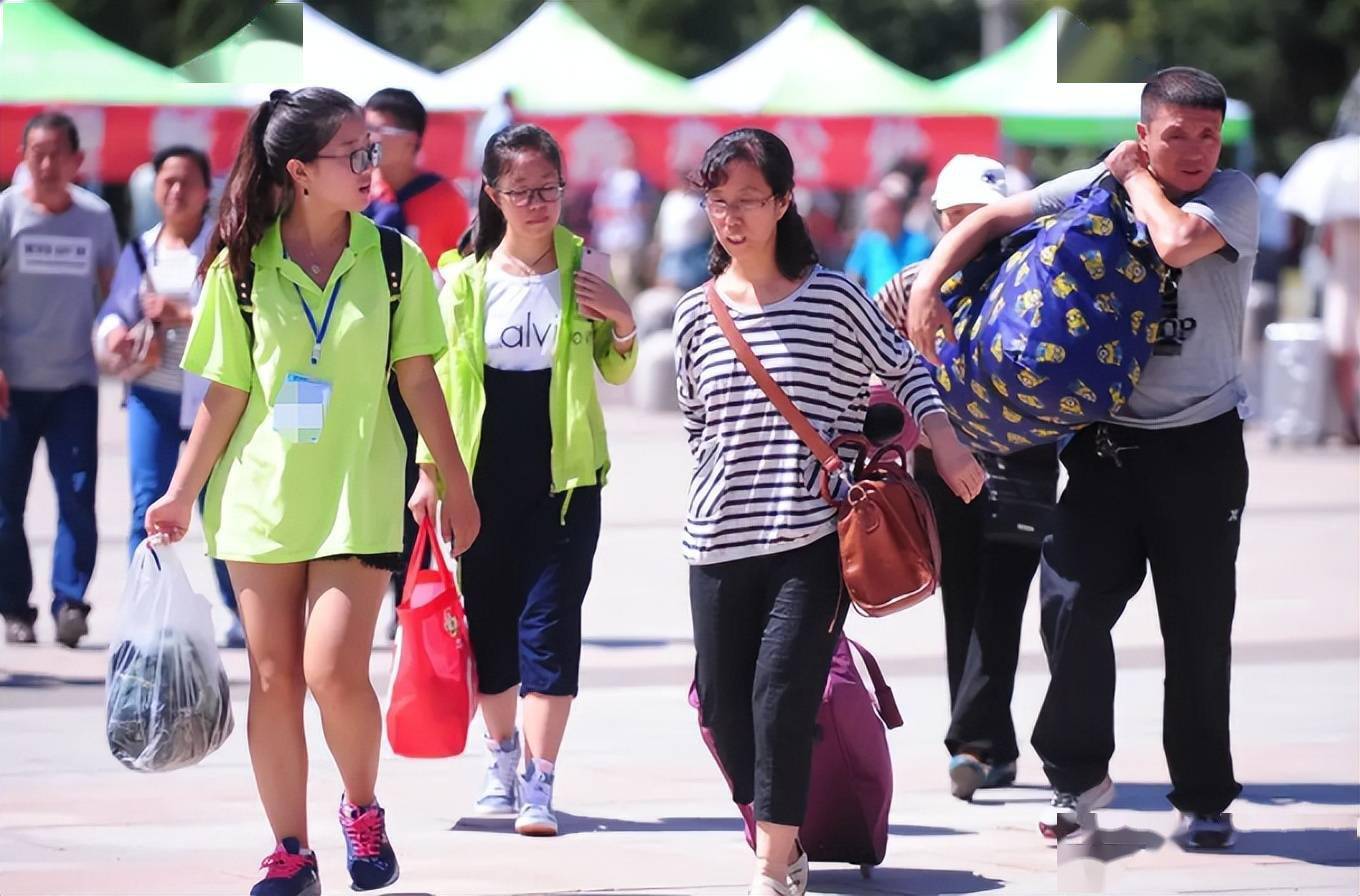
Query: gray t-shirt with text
[[49, 288], [1193, 375]]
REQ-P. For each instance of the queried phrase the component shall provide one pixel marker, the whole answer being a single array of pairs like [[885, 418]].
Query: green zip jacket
[[580, 453]]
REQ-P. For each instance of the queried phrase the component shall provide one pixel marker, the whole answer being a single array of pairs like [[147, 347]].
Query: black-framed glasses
[[720, 208], [542, 195], [362, 159]]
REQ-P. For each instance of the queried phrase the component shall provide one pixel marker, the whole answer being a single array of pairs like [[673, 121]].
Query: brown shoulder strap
[[828, 458]]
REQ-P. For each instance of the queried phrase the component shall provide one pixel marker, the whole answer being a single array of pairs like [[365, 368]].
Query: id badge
[[300, 409]]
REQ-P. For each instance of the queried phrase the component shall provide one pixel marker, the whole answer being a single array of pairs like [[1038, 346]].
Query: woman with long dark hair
[[297, 336], [765, 580], [527, 329]]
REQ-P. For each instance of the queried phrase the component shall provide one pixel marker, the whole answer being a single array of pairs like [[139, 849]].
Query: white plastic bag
[[168, 700]]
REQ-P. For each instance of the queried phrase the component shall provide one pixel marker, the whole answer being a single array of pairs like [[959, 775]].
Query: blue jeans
[[154, 439], [68, 421]]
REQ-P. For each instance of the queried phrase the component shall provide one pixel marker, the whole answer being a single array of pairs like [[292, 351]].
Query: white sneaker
[[1069, 812], [798, 873], [536, 818], [500, 795]]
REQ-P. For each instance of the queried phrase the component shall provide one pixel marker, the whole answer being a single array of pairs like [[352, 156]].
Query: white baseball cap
[[969, 180]]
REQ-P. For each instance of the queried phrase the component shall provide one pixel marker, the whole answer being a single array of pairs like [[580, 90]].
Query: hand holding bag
[[433, 695], [890, 547]]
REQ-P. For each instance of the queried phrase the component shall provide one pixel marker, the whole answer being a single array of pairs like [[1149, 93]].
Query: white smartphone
[[595, 262]]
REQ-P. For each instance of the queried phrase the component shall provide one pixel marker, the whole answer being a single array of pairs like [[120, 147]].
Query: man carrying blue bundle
[[1162, 483]]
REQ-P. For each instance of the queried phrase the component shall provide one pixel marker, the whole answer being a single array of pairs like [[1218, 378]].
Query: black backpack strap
[[389, 241], [138, 253], [244, 287]]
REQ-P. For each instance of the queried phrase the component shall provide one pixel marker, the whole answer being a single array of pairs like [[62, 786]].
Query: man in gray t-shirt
[[1163, 484], [58, 250]]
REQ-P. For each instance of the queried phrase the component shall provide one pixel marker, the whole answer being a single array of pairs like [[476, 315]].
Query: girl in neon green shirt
[[305, 497]]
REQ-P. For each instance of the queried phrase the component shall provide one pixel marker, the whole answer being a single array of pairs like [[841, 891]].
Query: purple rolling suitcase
[[851, 785]]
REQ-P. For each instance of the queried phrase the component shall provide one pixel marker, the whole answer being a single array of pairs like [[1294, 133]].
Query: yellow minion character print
[[1081, 390], [1063, 286], [1016, 439], [1069, 405], [1048, 253], [1013, 261], [1011, 416], [1095, 263], [1076, 322], [951, 285], [1132, 268], [1021, 273], [1098, 225], [1000, 385], [998, 351], [1107, 302], [1047, 221], [1111, 353], [1046, 433], [962, 307], [958, 368], [997, 306], [979, 390], [976, 410], [1030, 400], [942, 377], [1048, 353], [1135, 374], [1028, 303], [1030, 380], [1136, 321], [1116, 397]]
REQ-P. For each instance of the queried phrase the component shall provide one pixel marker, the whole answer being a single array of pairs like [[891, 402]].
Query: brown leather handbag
[[890, 546]]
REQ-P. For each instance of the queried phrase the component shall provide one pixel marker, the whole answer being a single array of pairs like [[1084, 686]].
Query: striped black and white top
[[754, 490]]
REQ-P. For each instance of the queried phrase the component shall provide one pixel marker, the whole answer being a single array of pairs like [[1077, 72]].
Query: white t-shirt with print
[[522, 314]]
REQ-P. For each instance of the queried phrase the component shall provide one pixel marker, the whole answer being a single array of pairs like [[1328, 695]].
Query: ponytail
[[259, 189], [501, 149]]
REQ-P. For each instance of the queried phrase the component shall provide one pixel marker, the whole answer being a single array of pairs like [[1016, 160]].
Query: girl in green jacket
[[526, 328]]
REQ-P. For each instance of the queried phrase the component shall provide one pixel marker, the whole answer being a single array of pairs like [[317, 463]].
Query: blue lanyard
[[319, 332]]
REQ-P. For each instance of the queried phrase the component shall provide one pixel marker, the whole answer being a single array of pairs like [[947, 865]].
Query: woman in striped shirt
[[765, 563]]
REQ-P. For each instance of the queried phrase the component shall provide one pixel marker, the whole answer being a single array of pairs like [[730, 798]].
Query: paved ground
[[643, 807]]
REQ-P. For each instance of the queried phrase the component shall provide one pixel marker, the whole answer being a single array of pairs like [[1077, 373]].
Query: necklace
[[531, 265]]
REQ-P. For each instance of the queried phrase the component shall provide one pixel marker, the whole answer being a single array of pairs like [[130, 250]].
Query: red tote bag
[[433, 693]]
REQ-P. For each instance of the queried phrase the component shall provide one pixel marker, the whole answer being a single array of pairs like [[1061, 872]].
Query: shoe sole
[[488, 813], [536, 829], [965, 781]]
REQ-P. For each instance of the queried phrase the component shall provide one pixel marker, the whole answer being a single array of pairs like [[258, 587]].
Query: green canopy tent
[[46, 56], [268, 50], [809, 65], [1019, 84], [557, 63]]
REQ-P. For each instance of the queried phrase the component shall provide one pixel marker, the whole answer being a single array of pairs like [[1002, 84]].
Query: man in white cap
[[984, 579]]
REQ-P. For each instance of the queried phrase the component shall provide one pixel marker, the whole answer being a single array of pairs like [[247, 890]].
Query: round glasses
[[362, 159], [541, 195], [719, 208]]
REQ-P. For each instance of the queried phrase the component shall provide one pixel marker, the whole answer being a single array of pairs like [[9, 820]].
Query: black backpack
[[389, 242]]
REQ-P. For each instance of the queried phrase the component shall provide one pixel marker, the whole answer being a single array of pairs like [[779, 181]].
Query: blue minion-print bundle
[[1054, 325]]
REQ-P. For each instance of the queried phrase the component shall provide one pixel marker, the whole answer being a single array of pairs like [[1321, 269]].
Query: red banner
[[842, 153]]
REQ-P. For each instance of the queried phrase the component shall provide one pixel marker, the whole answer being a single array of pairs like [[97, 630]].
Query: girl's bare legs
[[498, 713], [545, 723], [272, 600], [344, 597]]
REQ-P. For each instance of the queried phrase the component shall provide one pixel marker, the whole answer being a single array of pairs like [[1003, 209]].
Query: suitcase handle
[[884, 701]]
